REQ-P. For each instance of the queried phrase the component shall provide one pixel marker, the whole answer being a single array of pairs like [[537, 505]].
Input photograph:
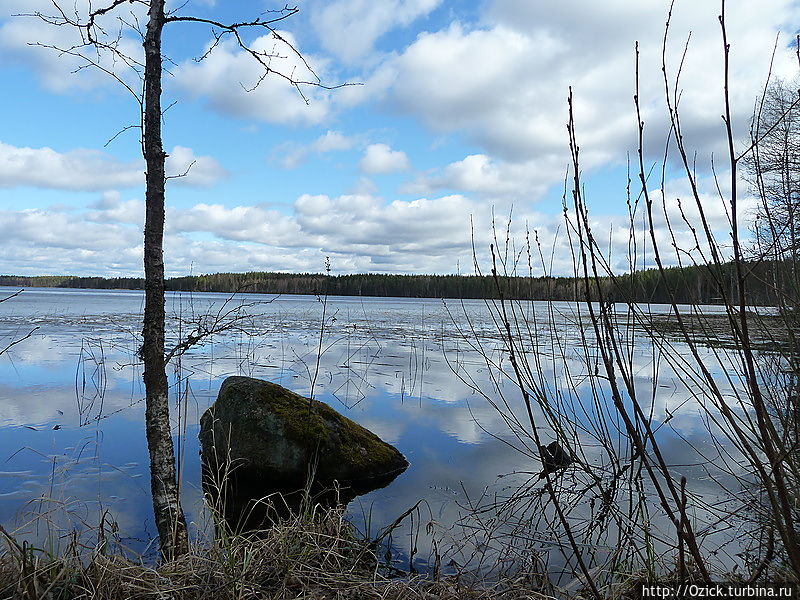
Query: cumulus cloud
[[365, 220], [504, 83], [91, 170], [233, 82], [360, 232], [483, 82], [500, 84], [112, 209], [74, 170], [485, 176], [349, 28], [28, 40], [381, 159], [40, 229], [239, 223], [187, 168]]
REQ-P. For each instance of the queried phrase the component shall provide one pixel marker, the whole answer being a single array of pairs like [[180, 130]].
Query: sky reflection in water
[[71, 410]]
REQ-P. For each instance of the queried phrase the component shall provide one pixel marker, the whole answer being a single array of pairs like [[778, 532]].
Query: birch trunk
[[169, 517]]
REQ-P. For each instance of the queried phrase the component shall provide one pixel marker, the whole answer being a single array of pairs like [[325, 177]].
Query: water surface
[[429, 376]]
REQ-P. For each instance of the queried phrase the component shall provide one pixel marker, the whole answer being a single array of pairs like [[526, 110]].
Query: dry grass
[[313, 556]]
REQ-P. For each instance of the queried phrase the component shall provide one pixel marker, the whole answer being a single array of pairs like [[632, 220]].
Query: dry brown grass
[[312, 556]]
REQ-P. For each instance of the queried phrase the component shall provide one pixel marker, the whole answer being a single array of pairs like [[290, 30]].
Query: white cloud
[[235, 83], [112, 209], [32, 41], [360, 232], [239, 223], [40, 230], [91, 170], [188, 169], [381, 159], [504, 84], [480, 174], [483, 82], [500, 84], [349, 28], [73, 170]]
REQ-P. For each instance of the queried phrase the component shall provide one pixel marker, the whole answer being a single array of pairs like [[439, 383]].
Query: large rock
[[272, 437]]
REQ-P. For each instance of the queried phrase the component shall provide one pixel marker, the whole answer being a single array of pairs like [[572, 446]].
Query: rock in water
[[271, 438]]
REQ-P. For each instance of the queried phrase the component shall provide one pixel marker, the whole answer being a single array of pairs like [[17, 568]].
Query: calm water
[[72, 443]]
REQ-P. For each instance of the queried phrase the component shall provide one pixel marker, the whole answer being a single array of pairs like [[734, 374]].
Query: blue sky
[[459, 112]]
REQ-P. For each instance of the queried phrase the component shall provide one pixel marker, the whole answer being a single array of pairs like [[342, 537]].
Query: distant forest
[[691, 285]]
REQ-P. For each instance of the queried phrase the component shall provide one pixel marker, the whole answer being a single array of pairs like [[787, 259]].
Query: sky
[[451, 123]]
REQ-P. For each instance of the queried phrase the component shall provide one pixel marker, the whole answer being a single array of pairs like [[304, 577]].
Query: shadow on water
[[249, 502]]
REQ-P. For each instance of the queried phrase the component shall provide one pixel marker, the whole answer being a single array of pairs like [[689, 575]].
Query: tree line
[[697, 284]]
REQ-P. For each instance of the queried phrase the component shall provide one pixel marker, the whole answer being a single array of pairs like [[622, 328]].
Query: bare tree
[[773, 168], [102, 46], [771, 164]]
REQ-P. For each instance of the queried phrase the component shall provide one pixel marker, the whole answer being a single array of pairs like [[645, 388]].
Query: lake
[[431, 377]]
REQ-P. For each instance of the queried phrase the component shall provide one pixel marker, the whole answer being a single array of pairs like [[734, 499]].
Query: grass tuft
[[314, 555]]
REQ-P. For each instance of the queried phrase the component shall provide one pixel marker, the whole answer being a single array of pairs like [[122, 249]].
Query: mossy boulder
[[273, 438]]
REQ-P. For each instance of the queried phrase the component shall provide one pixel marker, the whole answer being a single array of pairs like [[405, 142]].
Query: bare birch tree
[[101, 46], [772, 166]]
